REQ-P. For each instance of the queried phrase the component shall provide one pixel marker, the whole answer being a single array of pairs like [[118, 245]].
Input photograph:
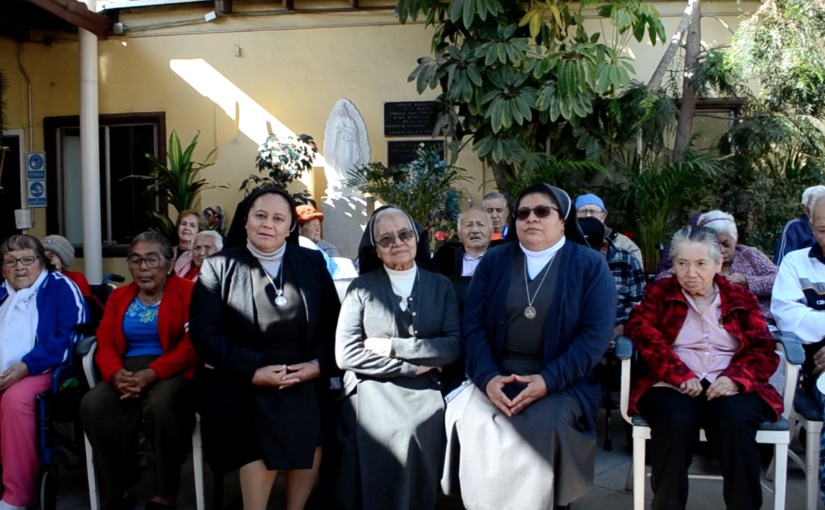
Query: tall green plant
[[427, 188], [566, 173], [177, 183], [656, 200]]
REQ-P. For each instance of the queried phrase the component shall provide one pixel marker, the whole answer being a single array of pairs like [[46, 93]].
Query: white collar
[[537, 260]]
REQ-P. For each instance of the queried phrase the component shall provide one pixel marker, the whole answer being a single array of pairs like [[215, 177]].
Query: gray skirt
[[389, 451], [539, 457]]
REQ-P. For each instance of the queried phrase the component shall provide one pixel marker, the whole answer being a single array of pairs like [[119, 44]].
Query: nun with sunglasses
[[537, 320], [399, 327], [263, 317]]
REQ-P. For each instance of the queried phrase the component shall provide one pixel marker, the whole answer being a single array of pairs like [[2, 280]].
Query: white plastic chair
[[88, 348], [777, 434]]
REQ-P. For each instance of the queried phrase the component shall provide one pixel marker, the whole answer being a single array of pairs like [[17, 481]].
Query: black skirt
[[280, 427]]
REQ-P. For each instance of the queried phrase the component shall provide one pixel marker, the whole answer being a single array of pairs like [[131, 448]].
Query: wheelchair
[[61, 402]]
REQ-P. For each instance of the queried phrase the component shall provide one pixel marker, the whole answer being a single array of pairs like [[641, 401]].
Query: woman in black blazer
[[263, 317]]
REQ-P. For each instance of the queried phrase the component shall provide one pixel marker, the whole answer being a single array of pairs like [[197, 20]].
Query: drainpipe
[[24, 201], [90, 155]]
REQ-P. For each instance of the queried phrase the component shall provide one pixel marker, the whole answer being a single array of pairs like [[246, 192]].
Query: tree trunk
[[684, 127], [501, 171], [675, 41]]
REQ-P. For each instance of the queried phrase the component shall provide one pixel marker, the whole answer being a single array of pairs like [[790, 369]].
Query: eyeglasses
[[584, 213], [26, 261], [541, 211], [151, 262], [389, 240]]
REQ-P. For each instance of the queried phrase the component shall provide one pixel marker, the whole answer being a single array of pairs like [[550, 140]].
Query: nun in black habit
[[399, 326], [263, 317], [537, 319]]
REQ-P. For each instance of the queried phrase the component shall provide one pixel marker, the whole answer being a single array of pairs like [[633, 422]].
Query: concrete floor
[[607, 494]]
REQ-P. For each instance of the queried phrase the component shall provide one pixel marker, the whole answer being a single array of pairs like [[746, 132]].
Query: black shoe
[[123, 502]]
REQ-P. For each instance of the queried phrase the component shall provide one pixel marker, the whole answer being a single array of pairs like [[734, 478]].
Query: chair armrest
[[85, 345], [89, 360], [624, 348], [792, 346], [58, 376]]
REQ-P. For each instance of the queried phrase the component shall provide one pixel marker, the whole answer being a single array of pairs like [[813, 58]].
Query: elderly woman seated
[[742, 265], [705, 358], [38, 309], [146, 360], [61, 254], [399, 326], [309, 226], [207, 243], [188, 225]]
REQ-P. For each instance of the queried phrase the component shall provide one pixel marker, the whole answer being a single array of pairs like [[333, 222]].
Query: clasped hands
[[536, 389], [722, 387], [130, 385], [284, 376], [383, 347]]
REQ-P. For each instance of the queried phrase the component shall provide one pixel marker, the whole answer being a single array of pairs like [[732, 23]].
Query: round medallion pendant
[[280, 301], [530, 312]]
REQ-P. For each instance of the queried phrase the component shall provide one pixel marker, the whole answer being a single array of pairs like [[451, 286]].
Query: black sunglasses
[[541, 211], [388, 240]]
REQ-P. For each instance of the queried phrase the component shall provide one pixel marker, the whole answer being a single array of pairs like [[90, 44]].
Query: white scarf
[[537, 260], [270, 261], [18, 323], [402, 283]]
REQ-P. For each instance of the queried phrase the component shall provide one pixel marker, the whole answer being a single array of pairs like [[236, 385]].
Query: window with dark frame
[[124, 139]]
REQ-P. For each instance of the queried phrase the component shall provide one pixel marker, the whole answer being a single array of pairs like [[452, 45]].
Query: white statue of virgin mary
[[346, 146]]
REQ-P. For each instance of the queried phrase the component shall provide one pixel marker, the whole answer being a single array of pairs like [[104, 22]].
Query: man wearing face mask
[[475, 234]]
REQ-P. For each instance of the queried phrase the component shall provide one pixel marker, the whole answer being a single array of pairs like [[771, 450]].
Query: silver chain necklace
[[530, 312], [280, 300]]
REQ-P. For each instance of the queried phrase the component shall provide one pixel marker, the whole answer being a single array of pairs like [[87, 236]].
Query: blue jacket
[[60, 307], [577, 331], [796, 235]]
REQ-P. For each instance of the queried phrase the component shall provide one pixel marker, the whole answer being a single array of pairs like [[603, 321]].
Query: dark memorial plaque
[[409, 118], [401, 153]]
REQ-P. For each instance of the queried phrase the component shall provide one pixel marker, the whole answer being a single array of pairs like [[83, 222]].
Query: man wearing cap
[[797, 233], [626, 270], [474, 232], [495, 205], [592, 206], [309, 226], [60, 253]]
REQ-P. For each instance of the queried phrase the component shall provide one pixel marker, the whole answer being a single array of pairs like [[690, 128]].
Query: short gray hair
[[696, 234], [214, 235], [386, 212], [809, 193], [164, 246], [458, 221], [812, 201], [720, 222], [493, 196]]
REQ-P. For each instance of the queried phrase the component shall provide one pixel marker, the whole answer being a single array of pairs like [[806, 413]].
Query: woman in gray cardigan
[[399, 326]]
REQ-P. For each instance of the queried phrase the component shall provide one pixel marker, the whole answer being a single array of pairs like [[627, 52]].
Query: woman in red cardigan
[[146, 360], [705, 358]]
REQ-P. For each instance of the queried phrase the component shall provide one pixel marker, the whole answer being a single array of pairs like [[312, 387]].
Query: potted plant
[[282, 161], [425, 188]]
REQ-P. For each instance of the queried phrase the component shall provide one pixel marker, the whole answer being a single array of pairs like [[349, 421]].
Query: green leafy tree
[[518, 78]]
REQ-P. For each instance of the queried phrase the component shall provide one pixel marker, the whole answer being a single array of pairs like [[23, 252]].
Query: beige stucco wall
[[292, 68]]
